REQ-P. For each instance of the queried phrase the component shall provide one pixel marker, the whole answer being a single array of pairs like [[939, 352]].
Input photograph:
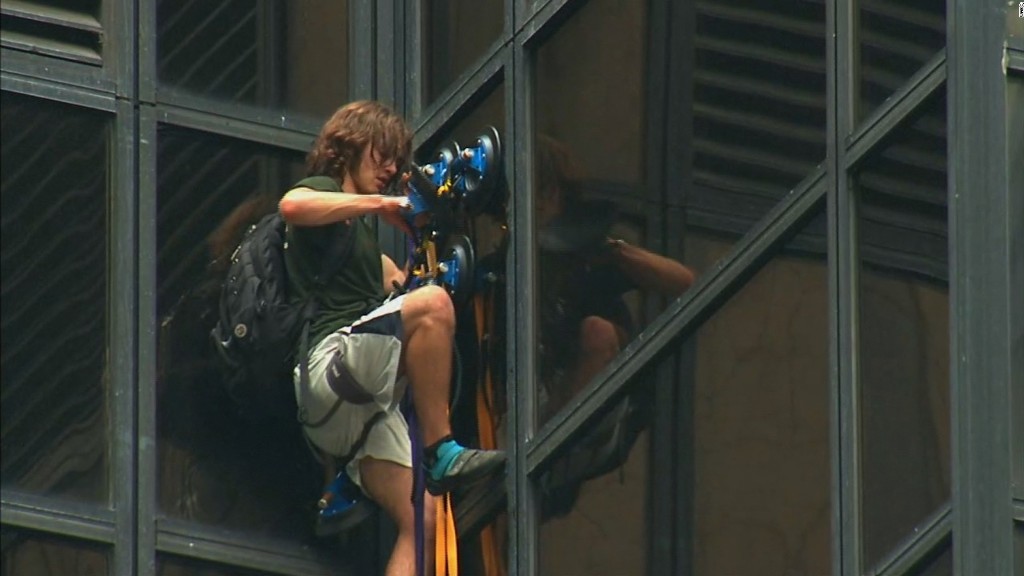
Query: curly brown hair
[[354, 128]]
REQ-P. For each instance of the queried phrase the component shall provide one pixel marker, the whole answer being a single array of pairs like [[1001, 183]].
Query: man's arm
[[651, 271], [307, 207], [392, 273]]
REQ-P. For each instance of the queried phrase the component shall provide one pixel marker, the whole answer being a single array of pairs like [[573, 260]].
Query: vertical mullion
[[147, 340], [415, 53], [145, 55], [122, 310], [124, 293], [981, 278], [678, 179], [843, 266], [362, 61], [521, 302], [660, 493]]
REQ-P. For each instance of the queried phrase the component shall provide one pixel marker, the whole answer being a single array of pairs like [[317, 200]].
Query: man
[[364, 351]]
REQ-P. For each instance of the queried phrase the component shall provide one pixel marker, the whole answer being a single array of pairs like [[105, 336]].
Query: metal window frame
[[986, 272]]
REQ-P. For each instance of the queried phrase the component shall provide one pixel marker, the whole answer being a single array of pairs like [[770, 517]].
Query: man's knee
[[429, 304], [598, 337]]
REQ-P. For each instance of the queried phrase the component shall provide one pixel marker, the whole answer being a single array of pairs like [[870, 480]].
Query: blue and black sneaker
[[450, 466], [341, 507]]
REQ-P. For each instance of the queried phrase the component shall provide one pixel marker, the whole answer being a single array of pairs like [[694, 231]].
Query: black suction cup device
[[483, 171], [460, 263], [448, 153]]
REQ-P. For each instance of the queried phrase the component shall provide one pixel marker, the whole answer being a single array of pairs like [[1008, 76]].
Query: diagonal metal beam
[[468, 89], [926, 543], [896, 110], [682, 317]]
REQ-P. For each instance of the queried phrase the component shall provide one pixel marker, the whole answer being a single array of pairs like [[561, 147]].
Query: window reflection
[[904, 332], [761, 417], [41, 554], [758, 109], [458, 33], [272, 54], [55, 199], [216, 467], [896, 38]]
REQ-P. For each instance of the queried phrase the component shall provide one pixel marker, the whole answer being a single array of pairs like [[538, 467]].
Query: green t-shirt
[[355, 289]]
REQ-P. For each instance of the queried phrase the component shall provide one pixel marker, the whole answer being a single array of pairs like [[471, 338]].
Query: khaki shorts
[[369, 352]]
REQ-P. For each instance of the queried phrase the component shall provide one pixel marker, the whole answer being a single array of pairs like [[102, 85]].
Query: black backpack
[[258, 325]]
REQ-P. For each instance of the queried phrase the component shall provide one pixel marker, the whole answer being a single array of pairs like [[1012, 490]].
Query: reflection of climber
[[584, 319], [584, 274]]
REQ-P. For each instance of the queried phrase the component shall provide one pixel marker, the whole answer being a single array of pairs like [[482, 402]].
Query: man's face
[[373, 174]]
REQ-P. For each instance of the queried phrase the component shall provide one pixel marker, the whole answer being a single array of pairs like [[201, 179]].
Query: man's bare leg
[[428, 319], [600, 342], [390, 484]]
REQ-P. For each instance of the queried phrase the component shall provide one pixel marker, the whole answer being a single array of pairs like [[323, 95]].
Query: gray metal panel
[[122, 40], [981, 286], [44, 514], [1015, 212], [46, 88], [55, 68], [192, 541], [146, 55], [216, 124], [521, 304], [362, 56], [148, 327], [123, 312], [843, 259]]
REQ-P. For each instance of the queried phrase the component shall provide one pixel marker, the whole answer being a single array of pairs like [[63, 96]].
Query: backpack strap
[[339, 252]]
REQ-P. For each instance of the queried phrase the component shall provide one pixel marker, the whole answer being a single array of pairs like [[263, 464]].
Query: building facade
[[839, 391]]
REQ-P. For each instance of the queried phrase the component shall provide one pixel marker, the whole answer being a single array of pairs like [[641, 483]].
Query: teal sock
[[444, 454]]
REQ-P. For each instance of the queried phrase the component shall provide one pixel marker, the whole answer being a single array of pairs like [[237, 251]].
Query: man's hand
[[393, 210]]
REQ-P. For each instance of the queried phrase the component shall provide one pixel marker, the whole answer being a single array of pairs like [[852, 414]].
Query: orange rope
[[492, 558]]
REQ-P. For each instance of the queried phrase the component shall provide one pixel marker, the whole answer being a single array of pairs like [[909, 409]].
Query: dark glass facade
[[751, 309]]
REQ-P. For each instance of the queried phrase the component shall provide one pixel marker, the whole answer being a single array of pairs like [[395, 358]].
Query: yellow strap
[[446, 548]]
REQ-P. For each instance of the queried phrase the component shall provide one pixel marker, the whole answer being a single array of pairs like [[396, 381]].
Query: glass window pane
[[458, 33], [271, 54], [605, 129], [597, 524], [761, 454], [214, 466], [941, 566], [896, 37], [41, 554], [589, 188], [904, 332], [55, 381]]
